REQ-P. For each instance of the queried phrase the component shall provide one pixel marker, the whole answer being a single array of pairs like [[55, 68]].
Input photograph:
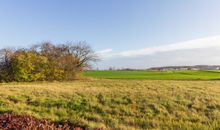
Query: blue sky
[[112, 26]]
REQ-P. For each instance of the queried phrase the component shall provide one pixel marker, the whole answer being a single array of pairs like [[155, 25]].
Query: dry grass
[[118, 104]]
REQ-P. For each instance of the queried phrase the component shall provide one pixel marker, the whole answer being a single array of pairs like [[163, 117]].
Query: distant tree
[[46, 61]]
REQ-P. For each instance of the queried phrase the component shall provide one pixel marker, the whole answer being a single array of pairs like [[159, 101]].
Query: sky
[[124, 33]]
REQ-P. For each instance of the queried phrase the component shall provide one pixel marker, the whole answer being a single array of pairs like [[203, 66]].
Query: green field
[[118, 104], [158, 75]]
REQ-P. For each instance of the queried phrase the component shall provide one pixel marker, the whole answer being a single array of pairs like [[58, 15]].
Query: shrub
[[45, 62]]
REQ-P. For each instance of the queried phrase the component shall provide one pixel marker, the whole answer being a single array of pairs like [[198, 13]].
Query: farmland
[[155, 75], [118, 104]]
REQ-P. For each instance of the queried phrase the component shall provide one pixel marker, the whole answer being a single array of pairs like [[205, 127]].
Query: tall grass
[[118, 104]]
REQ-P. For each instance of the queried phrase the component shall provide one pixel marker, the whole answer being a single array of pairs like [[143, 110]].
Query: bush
[[45, 62], [29, 66]]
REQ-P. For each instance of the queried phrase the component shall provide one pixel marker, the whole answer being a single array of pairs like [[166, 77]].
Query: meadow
[[118, 104], [156, 75]]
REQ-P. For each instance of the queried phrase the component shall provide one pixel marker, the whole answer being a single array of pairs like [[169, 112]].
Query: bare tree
[[5, 55], [84, 53], [6, 69]]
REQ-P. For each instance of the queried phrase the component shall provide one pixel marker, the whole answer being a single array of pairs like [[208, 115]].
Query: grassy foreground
[[156, 75], [118, 104]]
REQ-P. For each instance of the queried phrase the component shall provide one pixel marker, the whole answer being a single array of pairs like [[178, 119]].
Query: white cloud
[[202, 43], [104, 51]]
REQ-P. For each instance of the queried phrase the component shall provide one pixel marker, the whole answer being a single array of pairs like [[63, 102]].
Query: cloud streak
[[202, 43]]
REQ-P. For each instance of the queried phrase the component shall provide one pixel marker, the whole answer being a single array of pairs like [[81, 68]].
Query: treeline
[[45, 62]]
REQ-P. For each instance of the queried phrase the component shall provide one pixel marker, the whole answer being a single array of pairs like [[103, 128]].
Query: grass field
[[118, 104], [188, 74]]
